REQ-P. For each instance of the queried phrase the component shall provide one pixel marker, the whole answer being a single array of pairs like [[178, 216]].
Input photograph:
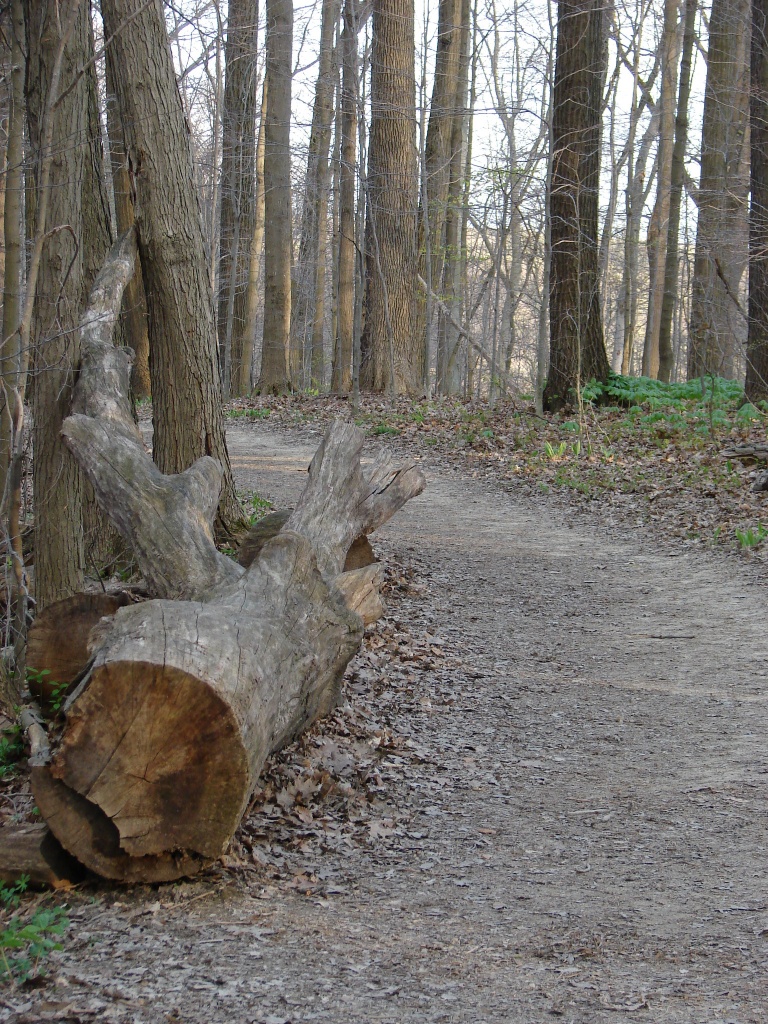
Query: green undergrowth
[[27, 938], [648, 452]]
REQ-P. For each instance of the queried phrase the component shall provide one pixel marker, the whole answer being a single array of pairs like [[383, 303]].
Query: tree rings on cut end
[[151, 760]]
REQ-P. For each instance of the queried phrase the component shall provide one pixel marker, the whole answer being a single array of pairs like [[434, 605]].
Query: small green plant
[[256, 507], [385, 428], [553, 453], [751, 538], [11, 750], [250, 414], [27, 939], [58, 693]]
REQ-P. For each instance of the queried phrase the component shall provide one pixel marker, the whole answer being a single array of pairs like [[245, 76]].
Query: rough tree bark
[[275, 369], [756, 386], [308, 287], [59, 553], [12, 231], [671, 272], [134, 314], [658, 229], [188, 693], [341, 377], [254, 268], [717, 327], [448, 339], [392, 355], [577, 349], [186, 395], [238, 187]]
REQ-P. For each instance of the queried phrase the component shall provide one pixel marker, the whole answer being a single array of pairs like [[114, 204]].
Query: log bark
[[57, 644], [189, 692], [32, 851]]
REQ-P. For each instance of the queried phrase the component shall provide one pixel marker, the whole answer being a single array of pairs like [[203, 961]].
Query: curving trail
[[585, 831]]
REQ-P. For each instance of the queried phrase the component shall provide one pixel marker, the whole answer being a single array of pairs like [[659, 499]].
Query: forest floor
[[546, 796]]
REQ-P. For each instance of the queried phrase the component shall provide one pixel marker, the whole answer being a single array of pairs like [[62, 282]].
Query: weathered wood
[[165, 736], [34, 852], [57, 643], [361, 591], [359, 555]]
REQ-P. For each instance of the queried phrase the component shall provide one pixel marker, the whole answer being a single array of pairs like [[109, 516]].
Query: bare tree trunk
[[238, 188], [756, 386], [134, 313], [12, 227], [448, 337], [59, 556], [254, 269], [438, 150], [577, 348], [309, 273], [717, 324], [275, 369], [658, 229], [341, 380], [392, 354], [666, 350], [186, 396]]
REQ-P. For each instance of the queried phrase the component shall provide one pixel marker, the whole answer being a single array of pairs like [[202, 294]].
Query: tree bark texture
[[12, 234], [717, 325], [448, 337], [59, 553], [756, 386], [658, 229], [186, 394], [243, 384], [275, 367], [392, 354], [308, 292], [438, 148], [577, 348], [238, 188], [134, 313], [341, 378], [187, 694], [671, 272]]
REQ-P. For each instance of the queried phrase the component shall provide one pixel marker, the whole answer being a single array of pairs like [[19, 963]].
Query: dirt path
[[576, 824]]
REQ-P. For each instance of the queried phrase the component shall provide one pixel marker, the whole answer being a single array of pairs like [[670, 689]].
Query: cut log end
[[151, 765]]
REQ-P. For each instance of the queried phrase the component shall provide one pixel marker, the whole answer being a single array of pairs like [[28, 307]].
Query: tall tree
[[134, 311], [448, 334], [277, 198], [577, 348], [438, 152], [57, 116], [341, 378], [392, 355], [757, 340], [717, 322], [238, 187], [308, 289], [12, 231], [677, 175], [186, 397], [658, 229], [243, 385]]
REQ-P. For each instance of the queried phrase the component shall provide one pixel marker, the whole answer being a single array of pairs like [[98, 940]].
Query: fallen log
[[32, 852], [188, 693]]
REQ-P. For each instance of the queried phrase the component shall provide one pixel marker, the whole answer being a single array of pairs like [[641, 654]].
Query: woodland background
[[462, 202]]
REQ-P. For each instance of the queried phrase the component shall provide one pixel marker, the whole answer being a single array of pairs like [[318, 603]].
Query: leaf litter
[[519, 813]]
